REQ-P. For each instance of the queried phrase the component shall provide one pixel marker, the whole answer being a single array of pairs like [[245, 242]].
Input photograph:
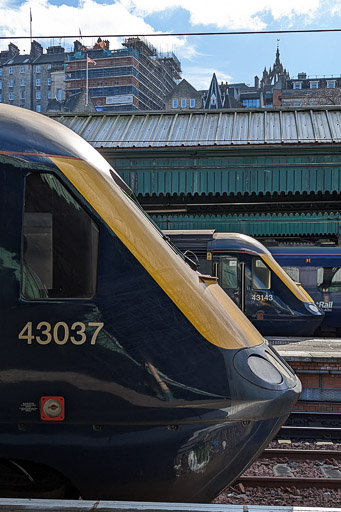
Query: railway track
[[274, 482], [326, 465], [312, 426], [290, 476]]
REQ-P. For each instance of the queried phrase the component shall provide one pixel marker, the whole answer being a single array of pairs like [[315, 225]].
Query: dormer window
[[330, 84], [314, 85], [297, 85], [175, 104]]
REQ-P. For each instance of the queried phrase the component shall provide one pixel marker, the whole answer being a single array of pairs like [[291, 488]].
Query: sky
[[233, 58]]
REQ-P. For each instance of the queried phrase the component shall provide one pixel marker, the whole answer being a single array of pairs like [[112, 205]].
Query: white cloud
[[92, 18], [200, 77], [227, 14]]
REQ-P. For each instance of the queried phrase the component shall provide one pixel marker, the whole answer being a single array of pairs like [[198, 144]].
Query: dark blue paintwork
[[308, 259], [284, 314], [124, 436], [275, 311]]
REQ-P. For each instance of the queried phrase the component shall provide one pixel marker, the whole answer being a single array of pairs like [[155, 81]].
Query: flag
[[92, 61]]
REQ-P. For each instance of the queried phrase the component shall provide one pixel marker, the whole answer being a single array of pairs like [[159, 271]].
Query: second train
[[249, 274]]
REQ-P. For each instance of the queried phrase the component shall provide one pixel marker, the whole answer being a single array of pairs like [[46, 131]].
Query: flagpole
[[30, 25], [87, 82]]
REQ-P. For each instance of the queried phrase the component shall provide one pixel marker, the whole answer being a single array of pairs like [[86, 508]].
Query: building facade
[[136, 77], [183, 97], [305, 90], [30, 80]]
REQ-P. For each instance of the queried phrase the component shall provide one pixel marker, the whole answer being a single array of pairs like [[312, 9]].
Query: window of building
[[314, 85], [192, 103], [11, 82], [37, 69], [38, 108], [0, 71], [55, 227], [261, 276], [0, 84], [38, 82], [38, 95], [297, 85], [49, 81], [59, 94], [329, 279], [22, 82], [251, 103], [0, 98], [330, 84], [11, 70], [297, 104], [11, 96], [175, 104], [22, 69], [183, 103], [49, 66], [22, 95], [49, 94]]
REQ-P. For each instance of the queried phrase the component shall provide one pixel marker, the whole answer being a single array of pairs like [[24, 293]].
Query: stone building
[[27, 80], [305, 90], [183, 97], [76, 103]]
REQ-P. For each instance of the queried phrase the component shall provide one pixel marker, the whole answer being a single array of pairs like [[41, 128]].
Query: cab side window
[[329, 279], [261, 275], [229, 273], [60, 242], [293, 272]]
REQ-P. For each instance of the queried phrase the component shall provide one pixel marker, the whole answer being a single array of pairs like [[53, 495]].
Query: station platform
[[26, 505], [308, 349], [317, 362]]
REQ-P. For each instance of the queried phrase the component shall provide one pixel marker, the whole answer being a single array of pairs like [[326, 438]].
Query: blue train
[[125, 374], [248, 273], [318, 269]]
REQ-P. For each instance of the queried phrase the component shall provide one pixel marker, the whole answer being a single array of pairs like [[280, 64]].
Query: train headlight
[[264, 370], [313, 308], [262, 366]]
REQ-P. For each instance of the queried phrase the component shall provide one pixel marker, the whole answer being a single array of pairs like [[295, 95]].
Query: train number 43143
[[60, 333]]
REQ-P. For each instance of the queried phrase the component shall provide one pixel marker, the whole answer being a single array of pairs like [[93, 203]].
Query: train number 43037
[[60, 333]]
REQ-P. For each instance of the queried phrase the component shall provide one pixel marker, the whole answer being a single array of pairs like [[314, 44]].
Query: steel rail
[[290, 481]]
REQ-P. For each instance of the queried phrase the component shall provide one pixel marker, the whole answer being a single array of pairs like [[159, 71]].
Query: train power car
[[318, 269], [125, 374], [254, 280]]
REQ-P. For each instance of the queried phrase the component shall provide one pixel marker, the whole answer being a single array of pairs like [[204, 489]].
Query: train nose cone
[[272, 380], [263, 391]]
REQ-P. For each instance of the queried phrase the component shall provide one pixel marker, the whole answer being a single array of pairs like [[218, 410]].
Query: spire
[[213, 99]]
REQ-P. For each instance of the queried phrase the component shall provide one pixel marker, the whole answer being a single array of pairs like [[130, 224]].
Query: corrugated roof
[[208, 128], [264, 224]]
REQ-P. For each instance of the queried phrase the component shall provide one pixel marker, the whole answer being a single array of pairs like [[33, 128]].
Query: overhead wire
[[185, 34]]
